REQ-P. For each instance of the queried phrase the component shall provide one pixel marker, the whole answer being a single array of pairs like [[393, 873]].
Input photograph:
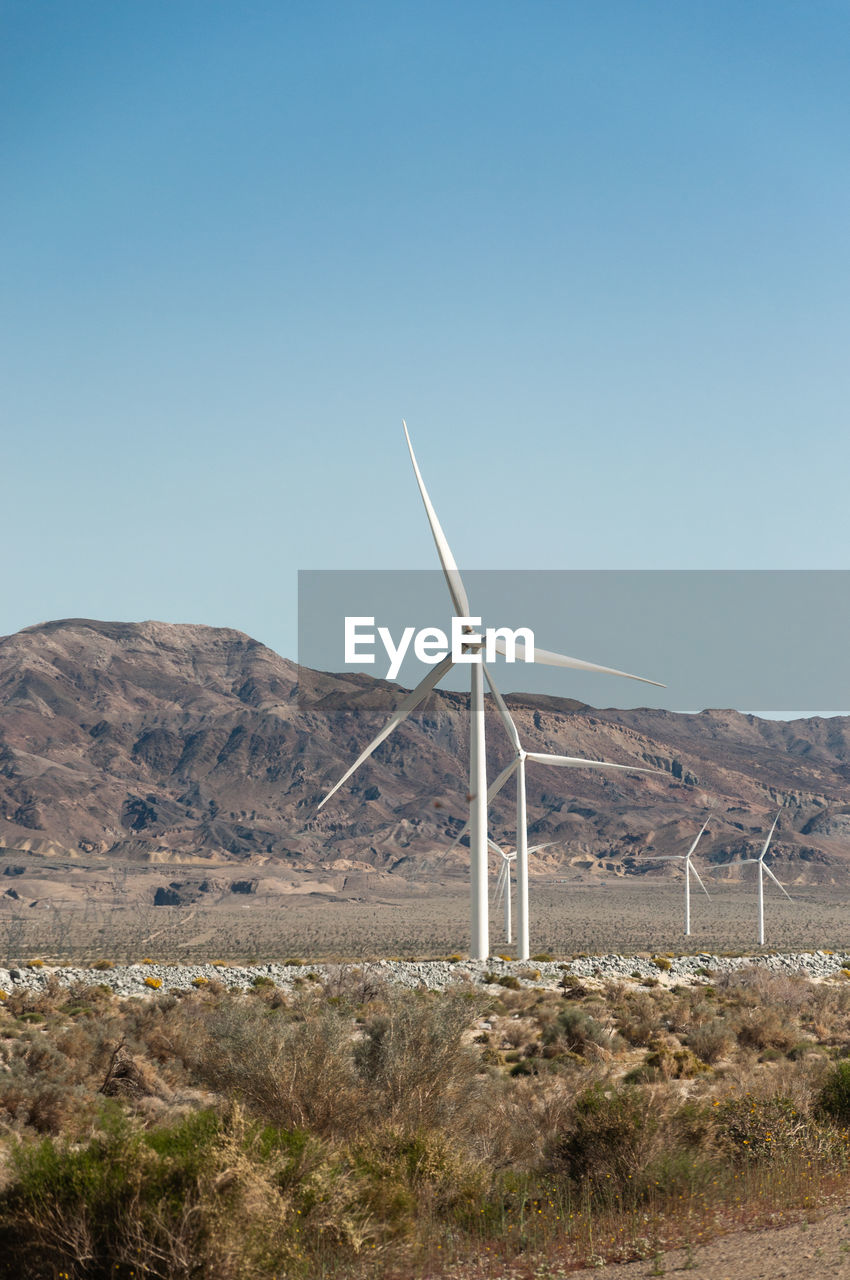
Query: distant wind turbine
[[689, 870], [478, 795], [502, 890], [762, 866], [503, 885]]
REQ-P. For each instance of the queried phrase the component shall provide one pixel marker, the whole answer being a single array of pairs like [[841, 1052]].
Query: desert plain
[[72, 910]]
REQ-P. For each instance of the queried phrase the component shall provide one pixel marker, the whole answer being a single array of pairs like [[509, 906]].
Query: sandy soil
[[815, 1250], [72, 910]]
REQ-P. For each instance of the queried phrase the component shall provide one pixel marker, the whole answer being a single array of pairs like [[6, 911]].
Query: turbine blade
[[696, 842], [576, 762], [775, 881], [504, 714], [497, 784], [444, 551], [535, 848], [549, 659], [454, 843], [699, 880], [769, 836], [500, 886], [494, 788], [664, 857], [402, 711]]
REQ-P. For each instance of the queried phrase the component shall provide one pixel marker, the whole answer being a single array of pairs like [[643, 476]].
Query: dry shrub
[[797, 1081], [47, 1088], [619, 1142], [711, 1040], [414, 1063], [516, 1032], [640, 1020], [515, 1128], [292, 1073], [760, 987], [355, 984], [406, 1177], [764, 1028]]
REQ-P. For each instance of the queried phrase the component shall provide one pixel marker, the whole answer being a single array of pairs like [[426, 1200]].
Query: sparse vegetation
[[627, 919], [353, 1129]]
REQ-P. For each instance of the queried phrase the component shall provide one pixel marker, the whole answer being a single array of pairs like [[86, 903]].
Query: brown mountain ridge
[[165, 743]]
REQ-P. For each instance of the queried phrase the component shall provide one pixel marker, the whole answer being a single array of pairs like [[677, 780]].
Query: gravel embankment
[[142, 979]]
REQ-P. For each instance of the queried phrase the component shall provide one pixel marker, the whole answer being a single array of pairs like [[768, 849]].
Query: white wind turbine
[[479, 924], [502, 890], [517, 765], [689, 870], [503, 884], [762, 866]]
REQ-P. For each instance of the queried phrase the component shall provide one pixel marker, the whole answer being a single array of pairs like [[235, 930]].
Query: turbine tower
[[478, 796], [689, 870], [517, 765], [762, 866]]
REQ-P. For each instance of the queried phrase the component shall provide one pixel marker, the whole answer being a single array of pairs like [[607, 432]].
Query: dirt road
[[815, 1251]]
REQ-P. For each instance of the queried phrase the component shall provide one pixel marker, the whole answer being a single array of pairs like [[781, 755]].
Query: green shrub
[[834, 1097], [409, 1176], [212, 1196], [508, 981], [611, 1138], [758, 1129]]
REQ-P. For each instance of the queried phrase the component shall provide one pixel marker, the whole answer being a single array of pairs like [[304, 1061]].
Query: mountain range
[[158, 742]]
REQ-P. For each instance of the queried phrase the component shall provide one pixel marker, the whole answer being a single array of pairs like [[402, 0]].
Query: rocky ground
[[437, 975]]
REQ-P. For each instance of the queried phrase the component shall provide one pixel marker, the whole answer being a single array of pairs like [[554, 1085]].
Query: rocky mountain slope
[[163, 743]]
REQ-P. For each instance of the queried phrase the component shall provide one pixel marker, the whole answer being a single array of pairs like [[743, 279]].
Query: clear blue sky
[[596, 254]]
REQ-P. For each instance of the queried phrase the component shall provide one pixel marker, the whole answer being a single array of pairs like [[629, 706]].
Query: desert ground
[[73, 910], [818, 1247], [353, 1130]]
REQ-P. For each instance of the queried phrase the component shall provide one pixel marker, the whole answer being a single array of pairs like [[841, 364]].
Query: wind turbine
[[762, 866], [689, 869], [503, 881], [517, 765], [503, 884], [478, 796]]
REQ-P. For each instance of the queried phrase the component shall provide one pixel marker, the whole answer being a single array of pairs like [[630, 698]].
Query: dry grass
[[353, 1130]]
